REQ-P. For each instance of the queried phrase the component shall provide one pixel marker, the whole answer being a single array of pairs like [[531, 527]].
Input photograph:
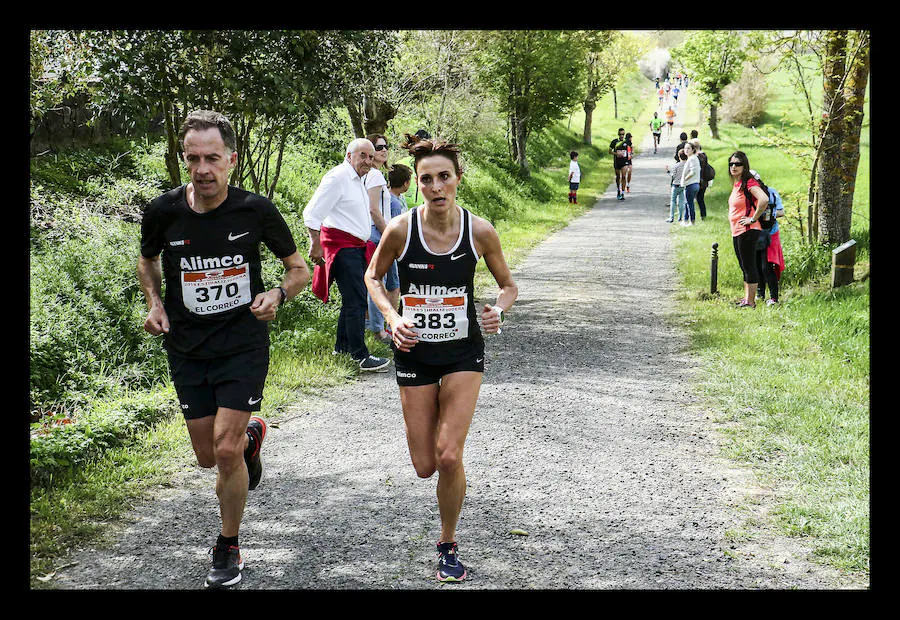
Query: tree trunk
[[378, 113], [521, 158], [714, 121], [356, 117], [615, 103], [173, 165], [830, 181], [589, 106], [854, 96]]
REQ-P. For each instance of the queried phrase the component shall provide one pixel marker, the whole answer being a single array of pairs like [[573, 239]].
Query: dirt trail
[[588, 436]]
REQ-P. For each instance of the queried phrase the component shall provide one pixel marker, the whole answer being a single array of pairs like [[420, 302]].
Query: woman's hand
[[403, 334]]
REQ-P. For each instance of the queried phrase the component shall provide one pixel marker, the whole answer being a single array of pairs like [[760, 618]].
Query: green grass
[[789, 383]]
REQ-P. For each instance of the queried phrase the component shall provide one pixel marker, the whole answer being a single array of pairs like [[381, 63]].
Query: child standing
[[574, 177]]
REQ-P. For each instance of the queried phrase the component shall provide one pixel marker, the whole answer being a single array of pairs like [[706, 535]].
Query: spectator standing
[[574, 177], [768, 248], [676, 202], [380, 213], [690, 180], [705, 181], [399, 178], [339, 224], [744, 221]]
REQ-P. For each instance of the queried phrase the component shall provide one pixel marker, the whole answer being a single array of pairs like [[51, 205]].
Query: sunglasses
[[381, 147], [734, 163]]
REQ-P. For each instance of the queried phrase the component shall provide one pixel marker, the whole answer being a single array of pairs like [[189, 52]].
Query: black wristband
[[283, 295]]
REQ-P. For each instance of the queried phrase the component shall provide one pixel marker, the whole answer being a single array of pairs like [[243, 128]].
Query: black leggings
[[767, 275], [700, 201], [745, 249]]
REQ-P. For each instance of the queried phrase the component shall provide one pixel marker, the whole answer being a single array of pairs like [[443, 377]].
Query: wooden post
[[843, 259], [714, 269]]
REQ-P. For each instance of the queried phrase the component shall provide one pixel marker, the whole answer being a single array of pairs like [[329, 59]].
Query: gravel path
[[588, 436]]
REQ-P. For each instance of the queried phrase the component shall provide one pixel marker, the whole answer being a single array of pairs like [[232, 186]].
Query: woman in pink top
[[744, 219]]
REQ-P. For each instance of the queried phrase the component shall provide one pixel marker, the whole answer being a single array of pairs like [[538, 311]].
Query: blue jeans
[[676, 204], [391, 282], [690, 192], [348, 268]]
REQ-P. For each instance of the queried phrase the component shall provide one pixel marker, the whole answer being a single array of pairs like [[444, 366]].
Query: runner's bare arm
[[149, 273], [487, 244], [392, 242], [296, 277]]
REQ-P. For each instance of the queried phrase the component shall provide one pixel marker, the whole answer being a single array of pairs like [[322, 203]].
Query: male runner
[[214, 318], [670, 119], [656, 125], [619, 149]]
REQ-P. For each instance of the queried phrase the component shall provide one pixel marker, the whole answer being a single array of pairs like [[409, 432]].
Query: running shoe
[[376, 364], [670, 220], [256, 428], [771, 302], [450, 569], [227, 565]]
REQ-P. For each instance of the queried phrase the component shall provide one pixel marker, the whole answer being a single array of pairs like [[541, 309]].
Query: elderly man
[[339, 223]]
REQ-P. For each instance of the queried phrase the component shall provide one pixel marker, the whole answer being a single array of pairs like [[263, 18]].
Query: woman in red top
[[744, 220]]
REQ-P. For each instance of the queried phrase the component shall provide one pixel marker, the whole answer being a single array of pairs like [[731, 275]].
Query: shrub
[[744, 102], [59, 449]]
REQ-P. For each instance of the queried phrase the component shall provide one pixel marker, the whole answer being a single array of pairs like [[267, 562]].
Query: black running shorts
[[415, 373], [234, 382]]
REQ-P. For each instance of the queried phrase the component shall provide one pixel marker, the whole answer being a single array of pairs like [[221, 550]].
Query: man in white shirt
[[338, 221]]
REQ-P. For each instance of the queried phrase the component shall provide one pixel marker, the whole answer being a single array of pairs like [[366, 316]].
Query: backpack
[[707, 172], [767, 219]]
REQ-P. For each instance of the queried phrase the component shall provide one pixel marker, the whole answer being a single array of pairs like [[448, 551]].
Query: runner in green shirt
[[656, 124]]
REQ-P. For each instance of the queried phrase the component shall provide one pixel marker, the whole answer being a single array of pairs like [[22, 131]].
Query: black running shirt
[[437, 294], [212, 269]]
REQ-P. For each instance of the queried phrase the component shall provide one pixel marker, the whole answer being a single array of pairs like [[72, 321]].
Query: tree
[[597, 76], [269, 84], [713, 59], [60, 67], [845, 77], [831, 155], [535, 78]]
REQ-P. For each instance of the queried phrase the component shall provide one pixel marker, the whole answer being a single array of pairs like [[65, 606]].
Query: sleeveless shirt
[[437, 294]]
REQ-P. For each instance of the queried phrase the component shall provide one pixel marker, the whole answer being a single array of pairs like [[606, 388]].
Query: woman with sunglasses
[[380, 211], [437, 340], [746, 194]]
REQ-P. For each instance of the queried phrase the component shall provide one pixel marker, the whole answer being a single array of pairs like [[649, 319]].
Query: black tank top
[[437, 293]]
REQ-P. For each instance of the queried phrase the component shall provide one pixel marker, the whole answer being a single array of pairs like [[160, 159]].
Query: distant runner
[[670, 119], [656, 125], [619, 149]]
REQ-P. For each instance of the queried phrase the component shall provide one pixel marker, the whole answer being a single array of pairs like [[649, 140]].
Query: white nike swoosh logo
[[455, 257], [254, 401], [232, 237], [479, 361]]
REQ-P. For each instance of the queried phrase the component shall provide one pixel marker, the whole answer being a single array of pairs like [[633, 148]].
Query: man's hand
[[265, 305], [157, 321]]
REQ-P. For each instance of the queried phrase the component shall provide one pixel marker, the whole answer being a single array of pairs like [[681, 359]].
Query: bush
[[59, 449], [744, 102], [86, 326]]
